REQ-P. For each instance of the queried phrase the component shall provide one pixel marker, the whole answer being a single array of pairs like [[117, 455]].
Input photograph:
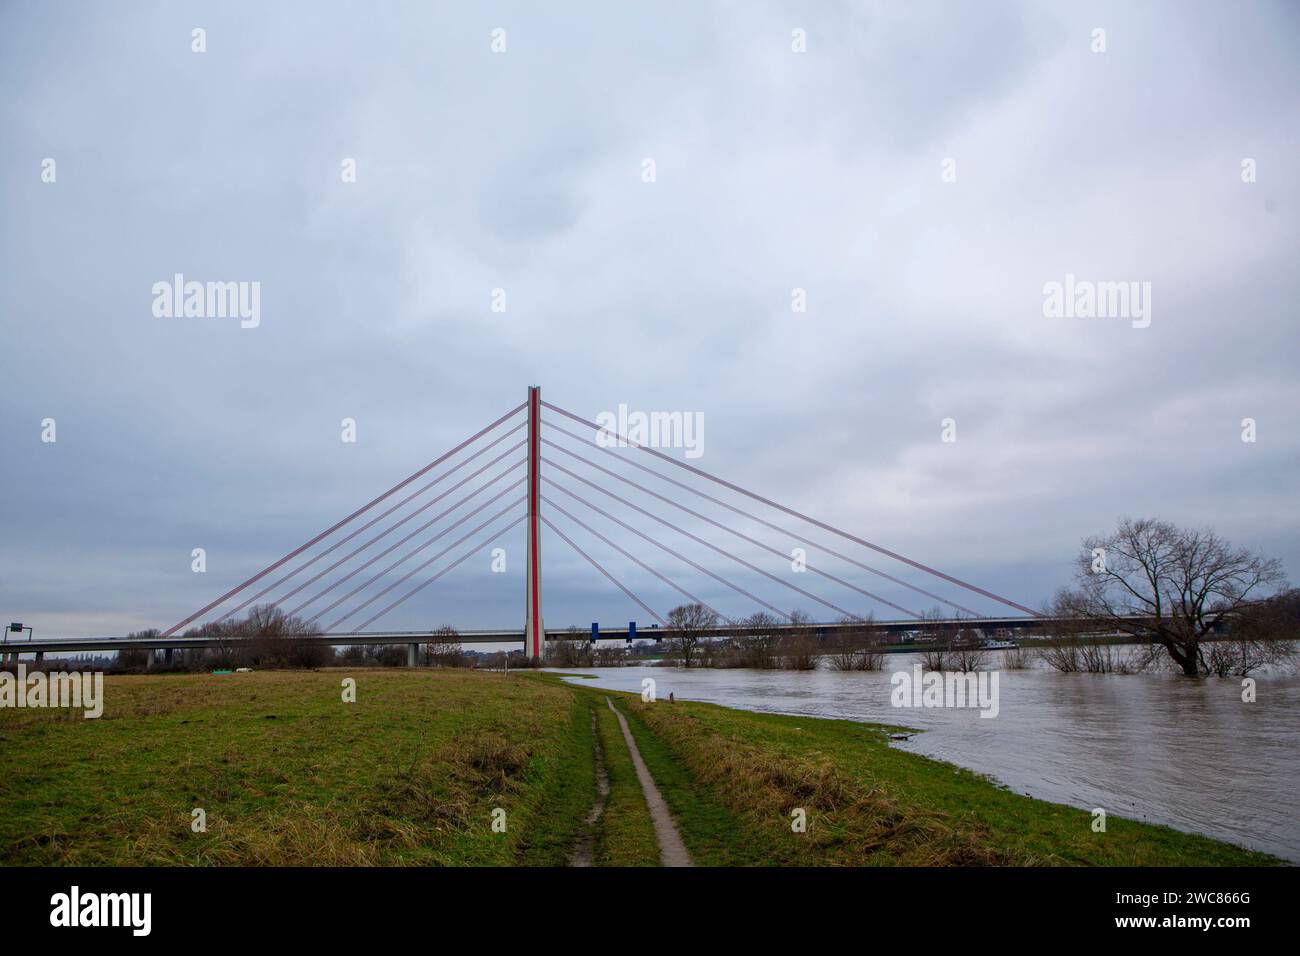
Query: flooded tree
[[689, 623], [856, 645], [757, 641], [797, 650], [1168, 586], [1264, 633]]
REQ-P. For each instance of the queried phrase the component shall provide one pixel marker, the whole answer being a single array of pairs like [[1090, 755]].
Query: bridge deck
[[506, 636]]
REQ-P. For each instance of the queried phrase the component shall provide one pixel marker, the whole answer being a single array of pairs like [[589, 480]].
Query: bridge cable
[[596, 564], [410, 554], [713, 547], [738, 534], [790, 511], [417, 511], [449, 567], [681, 557], [755, 518], [630, 556], [373, 521], [420, 567], [338, 524]]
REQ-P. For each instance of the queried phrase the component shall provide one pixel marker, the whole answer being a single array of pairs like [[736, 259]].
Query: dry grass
[[850, 819]]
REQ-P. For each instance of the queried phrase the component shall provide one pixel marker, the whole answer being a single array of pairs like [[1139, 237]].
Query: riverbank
[[739, 780], [472, 768], [1150, 747]]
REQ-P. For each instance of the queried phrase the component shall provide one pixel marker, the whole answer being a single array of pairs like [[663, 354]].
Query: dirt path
[[672, 852], [583, 851]]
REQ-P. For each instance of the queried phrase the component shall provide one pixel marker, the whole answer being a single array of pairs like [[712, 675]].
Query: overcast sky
[[524, 170]]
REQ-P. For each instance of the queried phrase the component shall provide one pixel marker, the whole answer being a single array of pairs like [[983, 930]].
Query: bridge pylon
[[534, 630]]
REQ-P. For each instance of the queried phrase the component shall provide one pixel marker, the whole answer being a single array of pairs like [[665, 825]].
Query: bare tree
[[758, 640], [1019, 658], [134, 659], [798, 652], [228, 652], [856, 645], [265, 637], [1064, 656], [1264, 633], [612, 654], [847, 643], [387, 655], [276, 639], [798, 648], [966, 655], [572, 650], [935, 659], [689, 622], [444, 649], [1166, 585], [933, 638], [965, 647], [872, 655]]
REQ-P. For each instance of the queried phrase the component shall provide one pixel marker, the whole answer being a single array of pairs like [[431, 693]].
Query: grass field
[[287, 773], [417, 769]]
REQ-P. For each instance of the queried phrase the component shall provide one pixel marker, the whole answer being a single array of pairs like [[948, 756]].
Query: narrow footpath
[[584, 853], [672, 851]]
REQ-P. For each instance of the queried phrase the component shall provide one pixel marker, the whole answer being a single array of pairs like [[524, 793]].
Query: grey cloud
[[522, 171]]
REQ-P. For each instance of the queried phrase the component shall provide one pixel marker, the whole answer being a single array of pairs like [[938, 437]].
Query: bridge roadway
[[106, 644]]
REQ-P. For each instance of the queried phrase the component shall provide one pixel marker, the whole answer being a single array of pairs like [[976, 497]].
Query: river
[[1150, 747]]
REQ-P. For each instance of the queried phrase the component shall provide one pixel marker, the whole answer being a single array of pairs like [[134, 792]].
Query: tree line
[[267, 638]]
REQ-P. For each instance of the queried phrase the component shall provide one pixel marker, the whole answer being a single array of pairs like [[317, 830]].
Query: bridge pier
[[412, 654], [40, 656], [167, 656], [534, 631]]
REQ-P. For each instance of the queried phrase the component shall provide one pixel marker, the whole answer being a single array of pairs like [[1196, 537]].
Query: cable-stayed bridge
[[539, 465]]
